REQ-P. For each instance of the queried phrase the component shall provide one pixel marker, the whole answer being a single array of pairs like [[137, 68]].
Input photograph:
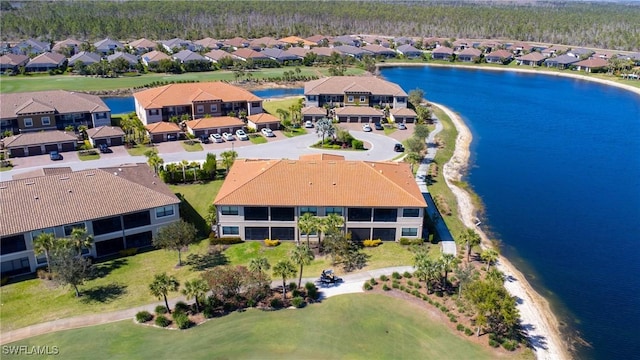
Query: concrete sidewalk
[[352, 284]]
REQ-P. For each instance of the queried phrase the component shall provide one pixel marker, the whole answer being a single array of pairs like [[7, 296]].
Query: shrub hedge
[[226, 241], [161, 309], [162, 321], [143, 316]]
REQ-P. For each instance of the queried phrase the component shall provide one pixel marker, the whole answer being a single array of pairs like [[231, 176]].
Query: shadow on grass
[[189, 214], [103, 293], [200, 262], [103, 269]]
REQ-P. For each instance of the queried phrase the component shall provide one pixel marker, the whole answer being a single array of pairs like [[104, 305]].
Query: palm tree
[[471, 239], [228, 157], [325, 128], [446, 261], [259, 265], [490, 256], [44, 244], [161, 285], [195, 289], [80, 239], [285, 269], [302, 255], [331, 224], [427, 269], [307, 223]]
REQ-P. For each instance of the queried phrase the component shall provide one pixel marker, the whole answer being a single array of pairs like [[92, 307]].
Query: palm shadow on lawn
[[201, 262], [103, 293], [101, 270]]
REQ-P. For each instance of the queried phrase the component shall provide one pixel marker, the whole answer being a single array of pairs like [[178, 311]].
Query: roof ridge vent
[[30, 183], [90, 174], [64, 178]]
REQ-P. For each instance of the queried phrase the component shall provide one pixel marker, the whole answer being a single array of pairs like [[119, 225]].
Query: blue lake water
[[556, 162], [123, 105]]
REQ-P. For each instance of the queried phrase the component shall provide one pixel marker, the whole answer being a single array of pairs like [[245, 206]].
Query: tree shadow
[[189, 214], [200, 262], [103, 293], [101, 270]]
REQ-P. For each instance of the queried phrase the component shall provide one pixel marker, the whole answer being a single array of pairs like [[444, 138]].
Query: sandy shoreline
[[535, 313]]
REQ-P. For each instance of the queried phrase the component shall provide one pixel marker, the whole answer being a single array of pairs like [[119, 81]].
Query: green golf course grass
[[357, 326]]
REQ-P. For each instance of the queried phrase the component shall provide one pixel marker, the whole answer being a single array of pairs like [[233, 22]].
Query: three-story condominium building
[[263, 199], [121, 207], [197, 100], [354, 91]]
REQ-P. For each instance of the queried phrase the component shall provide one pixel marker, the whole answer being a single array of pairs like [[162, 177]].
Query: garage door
[[68, 146], [17, 152], [157, 138], [342, 119], [198, 133], [34, 150], [100, 141], [116, 141], [375, 119], [50, 147]]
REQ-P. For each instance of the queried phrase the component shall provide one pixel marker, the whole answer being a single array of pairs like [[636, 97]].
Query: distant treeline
[[601, 25]]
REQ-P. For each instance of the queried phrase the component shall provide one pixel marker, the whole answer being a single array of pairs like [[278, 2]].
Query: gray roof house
[[469, 55], [46, 61], [499, 57], [346, 40], [531, 59], [132, 60], [142, 45], [353, 51], [86, 57], [379, 50], [70, 45], [188, 55], [561, 62], [92, 199], [179, 44], [442, 53], [280, 55], [31, 47], [409, 51], [12, 62], [108, 46], [40, 142], [216, 55]]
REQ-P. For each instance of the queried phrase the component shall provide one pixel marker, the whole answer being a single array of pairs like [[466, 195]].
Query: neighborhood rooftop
[[344, 84]]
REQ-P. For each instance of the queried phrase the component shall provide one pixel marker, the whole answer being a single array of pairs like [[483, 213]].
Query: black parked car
[[54, 155], [378, 126], [104, 148], [398, 148]]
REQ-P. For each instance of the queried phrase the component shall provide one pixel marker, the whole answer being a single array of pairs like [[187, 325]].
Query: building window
[[283, 233], [255, 104], [359, 234], [164, 211], [230, 230], [410, 212], [214, 108], [409, 231], [400, 99], [69, 228], [200, 109], [362, 99], [135, 220], [385, 215], [11, 244], [108, 225], [256, 213], [46, 120], [350, 99], [256, 233], [309, 209], [229, 210], [14, 267], [154, 112], [333, 210], [384, 234], [282, 214], [28, 122], [359, 214], [34, 234]]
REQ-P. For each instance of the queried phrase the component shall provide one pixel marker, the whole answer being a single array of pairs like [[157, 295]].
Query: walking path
[[446, 239], [353, 283]]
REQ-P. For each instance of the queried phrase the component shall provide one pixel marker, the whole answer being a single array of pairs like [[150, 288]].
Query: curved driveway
[[381, 148]]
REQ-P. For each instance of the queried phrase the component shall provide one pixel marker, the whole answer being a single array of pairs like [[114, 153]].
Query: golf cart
[[328, 277]]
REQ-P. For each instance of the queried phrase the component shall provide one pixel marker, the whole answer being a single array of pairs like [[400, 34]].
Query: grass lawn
[[6, 168], [272, 106], [89, 157], [390, 130], [356, 326], [257, 139], [294, 132], [139, 150], [195, 146], [23, 83]]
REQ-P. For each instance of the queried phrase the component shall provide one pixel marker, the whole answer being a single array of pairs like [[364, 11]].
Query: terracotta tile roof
[[237, 42], [39, 137], [13, 59], [442, 50], [183, 94], [320, 182], [162, 127], [143, 43], [592, 63], [155, 56], [317, 38], [470, 52], [314, 110], [208, 43], [324, 51], [294, 40], [47, 58], [338, 85], [246, 53], [377, 49], [214, 122], [403, 112], [298, 51], [358, 110], [42, 172], [104, 132], [217, 54], [503, 54], [62, 102], [79, 196], [263, 118], [533, 56], [66, 43], [265, 41]]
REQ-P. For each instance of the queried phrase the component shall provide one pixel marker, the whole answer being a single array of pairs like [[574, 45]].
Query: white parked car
[[227, 136], [216, 138], [267, 132], [402, 126], [241, 135], [308, 124], [366, 127]]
